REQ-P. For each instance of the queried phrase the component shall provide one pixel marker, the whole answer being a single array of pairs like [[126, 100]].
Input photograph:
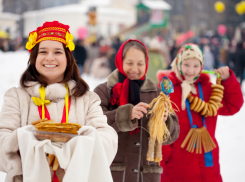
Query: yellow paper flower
[[69, 41], [32, 41]]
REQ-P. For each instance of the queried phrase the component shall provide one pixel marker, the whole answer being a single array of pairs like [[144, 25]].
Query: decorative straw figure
[[160, 108]]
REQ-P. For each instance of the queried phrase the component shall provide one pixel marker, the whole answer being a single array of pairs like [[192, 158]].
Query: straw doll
[[160, 108]]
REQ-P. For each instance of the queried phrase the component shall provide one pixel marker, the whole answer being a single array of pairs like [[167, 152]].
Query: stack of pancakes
[[51, 126], [56, 132]]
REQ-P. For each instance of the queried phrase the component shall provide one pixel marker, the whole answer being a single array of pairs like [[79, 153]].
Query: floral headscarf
[[187, 51]]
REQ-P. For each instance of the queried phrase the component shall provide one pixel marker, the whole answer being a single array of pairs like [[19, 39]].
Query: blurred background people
[[80, 54], [240, 61], [157, 60], [208, 58]]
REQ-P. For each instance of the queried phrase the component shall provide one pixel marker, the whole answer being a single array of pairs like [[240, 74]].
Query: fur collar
[[147, 86], [203, 78], [52, 91]]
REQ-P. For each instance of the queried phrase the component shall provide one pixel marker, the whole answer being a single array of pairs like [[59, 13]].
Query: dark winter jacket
[[130, 164], [239, 58], [180, 165]]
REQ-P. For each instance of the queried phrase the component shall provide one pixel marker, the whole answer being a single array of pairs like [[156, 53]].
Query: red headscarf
[[121, 90]]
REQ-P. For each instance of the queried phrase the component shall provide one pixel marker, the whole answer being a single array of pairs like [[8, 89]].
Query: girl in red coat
[[180, 165]]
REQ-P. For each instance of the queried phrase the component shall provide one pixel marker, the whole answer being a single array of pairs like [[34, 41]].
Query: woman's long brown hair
[[71, 73]]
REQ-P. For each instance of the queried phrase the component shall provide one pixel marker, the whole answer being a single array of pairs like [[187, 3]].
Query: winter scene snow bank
[[230, 129]]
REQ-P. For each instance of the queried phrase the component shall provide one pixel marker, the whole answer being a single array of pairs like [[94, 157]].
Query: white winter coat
[[19, 110]]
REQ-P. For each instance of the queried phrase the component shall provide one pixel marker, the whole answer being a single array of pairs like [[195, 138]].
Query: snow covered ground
[[230, 130]]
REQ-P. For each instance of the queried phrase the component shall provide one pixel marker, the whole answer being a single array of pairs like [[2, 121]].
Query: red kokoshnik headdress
[[51, 31]]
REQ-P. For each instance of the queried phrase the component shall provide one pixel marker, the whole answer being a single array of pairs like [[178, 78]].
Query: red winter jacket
[[180, 165]]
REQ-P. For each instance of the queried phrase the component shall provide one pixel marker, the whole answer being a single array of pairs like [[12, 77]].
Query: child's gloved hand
[[224, 72], [138, 110]]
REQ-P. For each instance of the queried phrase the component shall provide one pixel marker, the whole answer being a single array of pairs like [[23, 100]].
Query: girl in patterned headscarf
[[188, 55], [179, 162]]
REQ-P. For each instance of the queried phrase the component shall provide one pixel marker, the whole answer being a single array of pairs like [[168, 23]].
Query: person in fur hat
[[52, 69], [194, 157], [125, 98]]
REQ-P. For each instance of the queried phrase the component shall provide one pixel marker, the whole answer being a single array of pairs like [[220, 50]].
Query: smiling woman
[[51, 61], [134, 60], [124, 99], [51, 87]]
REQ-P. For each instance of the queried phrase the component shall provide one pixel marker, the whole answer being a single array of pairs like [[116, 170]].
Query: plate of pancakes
[[56, 132]]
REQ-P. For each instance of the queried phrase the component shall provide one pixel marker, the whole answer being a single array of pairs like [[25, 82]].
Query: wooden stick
[[211, 141], [207, 141], [200, 148], [51, 159], [198, 142], [204, 144], [56, 164], [190, 141], [187, 138], [195, 135], [193, 141], [204, 141]]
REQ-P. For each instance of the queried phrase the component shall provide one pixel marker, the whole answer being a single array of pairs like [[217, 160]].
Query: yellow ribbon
[[42, 102], [66, 101]]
